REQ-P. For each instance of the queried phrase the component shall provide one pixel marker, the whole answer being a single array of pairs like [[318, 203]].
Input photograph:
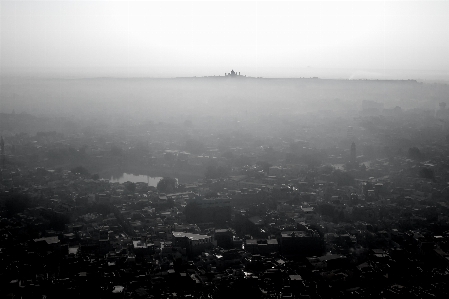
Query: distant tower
[[442, 115], [350, 133], [352, 158], [2, 151]]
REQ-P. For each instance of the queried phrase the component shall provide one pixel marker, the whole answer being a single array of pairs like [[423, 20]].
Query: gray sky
[[270, 39]]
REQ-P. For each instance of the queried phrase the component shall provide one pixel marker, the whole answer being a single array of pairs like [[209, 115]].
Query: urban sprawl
[[314, 206]]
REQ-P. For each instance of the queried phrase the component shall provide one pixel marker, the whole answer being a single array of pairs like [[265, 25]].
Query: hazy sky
[[270, 39]]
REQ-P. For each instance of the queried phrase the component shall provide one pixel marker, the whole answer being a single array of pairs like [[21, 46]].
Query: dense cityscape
[[224, 149], [353, 204]]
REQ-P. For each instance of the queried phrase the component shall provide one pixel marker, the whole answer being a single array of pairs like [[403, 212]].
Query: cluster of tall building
[[232, 74]]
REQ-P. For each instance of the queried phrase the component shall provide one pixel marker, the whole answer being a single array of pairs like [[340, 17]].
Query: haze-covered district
[[220, 186]]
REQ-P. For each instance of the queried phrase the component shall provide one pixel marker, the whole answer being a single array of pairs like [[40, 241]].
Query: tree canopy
[[215, 172], [194, 146], [342, 178], [17, 203], [415, 153], [167, 185], [426, 173], [80, 170]]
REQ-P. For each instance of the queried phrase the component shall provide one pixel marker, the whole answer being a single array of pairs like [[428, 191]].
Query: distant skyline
[[341, 39]]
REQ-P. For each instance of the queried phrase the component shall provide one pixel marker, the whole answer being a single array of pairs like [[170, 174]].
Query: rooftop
[[48, 240], [190, 236]]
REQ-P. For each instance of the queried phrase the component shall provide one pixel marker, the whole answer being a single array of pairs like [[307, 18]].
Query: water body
[[129, 177]]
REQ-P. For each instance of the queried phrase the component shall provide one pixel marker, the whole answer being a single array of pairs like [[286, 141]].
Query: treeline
[[15, 203]]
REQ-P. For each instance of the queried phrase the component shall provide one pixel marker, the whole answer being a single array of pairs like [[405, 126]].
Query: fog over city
[[217, 149], [50, 50]]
